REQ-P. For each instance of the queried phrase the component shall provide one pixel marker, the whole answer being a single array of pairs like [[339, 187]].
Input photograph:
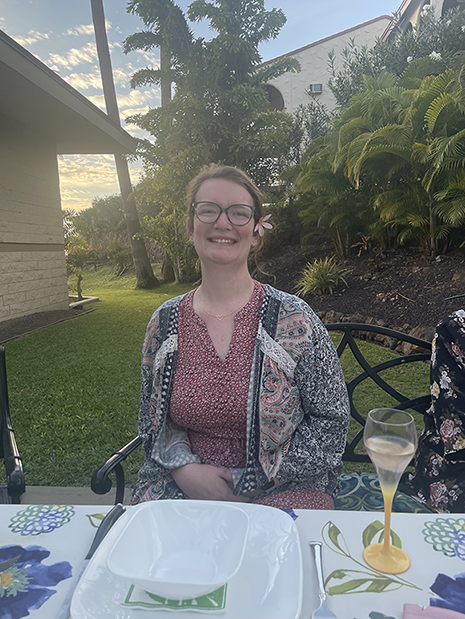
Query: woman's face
[[222, 242]]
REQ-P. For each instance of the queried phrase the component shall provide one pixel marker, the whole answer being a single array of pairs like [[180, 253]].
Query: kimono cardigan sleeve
[[303, 402], [165, 444], [315, 450]]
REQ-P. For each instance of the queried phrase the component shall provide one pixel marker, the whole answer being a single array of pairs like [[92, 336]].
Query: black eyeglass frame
[[223, 210]]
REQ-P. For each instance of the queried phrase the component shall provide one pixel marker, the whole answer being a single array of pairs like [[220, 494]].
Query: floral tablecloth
[[41, 546], [434, 542]]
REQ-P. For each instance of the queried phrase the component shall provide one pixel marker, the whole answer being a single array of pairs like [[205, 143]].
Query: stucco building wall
[[32, 265], [313, 61]]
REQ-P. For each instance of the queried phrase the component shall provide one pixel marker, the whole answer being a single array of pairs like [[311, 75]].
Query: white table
[[435, 543]]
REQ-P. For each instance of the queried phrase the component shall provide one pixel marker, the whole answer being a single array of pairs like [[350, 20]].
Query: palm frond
[[436, 107]]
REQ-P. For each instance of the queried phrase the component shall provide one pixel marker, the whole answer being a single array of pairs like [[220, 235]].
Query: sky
[[60, 34]]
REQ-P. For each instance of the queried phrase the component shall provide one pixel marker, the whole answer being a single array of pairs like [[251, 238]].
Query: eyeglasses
[[209, 212]]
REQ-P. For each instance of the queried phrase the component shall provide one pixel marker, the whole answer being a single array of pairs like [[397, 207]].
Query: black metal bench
[[353, 332], [101, 482], [15, 484]]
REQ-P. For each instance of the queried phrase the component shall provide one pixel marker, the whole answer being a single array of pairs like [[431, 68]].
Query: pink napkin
[[413, 611]]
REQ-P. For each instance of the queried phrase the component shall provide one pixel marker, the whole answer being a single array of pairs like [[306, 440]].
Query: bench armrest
[[101, 482]]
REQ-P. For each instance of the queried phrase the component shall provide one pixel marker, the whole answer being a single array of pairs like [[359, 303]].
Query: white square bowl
[[180, 549]]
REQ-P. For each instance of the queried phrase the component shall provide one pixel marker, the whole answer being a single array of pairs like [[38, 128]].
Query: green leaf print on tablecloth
[[344, 581], [95, 519], [138, 598]]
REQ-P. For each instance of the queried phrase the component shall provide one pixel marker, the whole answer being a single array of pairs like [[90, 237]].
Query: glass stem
[[387, 521]]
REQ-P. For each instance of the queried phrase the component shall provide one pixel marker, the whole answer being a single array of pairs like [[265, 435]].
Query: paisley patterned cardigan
[[297, 405]]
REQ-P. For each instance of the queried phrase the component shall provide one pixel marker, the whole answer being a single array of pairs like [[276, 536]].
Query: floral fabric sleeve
[[165, 445], [439, 478], [304, 406], [448, 382], [315, 451]]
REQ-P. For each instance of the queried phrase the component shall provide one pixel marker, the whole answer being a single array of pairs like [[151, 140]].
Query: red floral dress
[[209, 396]]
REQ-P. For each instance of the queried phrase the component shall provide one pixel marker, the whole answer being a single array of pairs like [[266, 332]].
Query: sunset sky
[[60, 34]]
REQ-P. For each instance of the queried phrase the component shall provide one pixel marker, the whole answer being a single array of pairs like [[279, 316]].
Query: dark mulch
[[18, 327], [401, 287]]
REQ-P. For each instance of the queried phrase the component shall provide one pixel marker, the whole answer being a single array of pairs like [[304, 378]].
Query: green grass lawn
[[411, 380], [74, 386]]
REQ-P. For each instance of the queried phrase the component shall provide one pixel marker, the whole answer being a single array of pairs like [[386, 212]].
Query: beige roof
[[38, 98]]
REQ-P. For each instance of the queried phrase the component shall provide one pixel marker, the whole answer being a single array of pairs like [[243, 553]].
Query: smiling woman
[[243, 397]]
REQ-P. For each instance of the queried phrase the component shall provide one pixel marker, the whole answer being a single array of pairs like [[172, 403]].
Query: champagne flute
[[390, 439]]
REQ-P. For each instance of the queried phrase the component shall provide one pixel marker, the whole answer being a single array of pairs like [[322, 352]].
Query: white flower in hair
[[262, 223]]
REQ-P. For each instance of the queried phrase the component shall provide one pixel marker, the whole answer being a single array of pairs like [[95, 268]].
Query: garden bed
[[398, 288]]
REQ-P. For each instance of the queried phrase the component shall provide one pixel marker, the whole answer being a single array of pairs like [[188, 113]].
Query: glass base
[[392, 561]]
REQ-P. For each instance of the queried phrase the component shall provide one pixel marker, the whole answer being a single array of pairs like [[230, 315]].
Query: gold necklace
[[221, 316]]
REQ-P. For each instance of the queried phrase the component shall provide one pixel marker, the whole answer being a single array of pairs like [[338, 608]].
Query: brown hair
[[228, 173]]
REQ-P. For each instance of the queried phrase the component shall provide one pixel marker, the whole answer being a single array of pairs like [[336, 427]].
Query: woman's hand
[[207, 482]]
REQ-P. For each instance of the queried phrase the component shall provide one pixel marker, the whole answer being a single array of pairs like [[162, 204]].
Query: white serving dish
[[180, 549], [268, 584]]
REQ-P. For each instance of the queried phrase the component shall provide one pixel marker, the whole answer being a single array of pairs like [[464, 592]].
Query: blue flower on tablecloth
[[36, 519], [291, 512], [447, 535], [451, 591], [25, 581], [375, 615]]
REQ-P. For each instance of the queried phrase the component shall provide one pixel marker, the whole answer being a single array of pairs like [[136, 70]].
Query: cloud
[[150, 58], [73, 58], [122, 76], [84, 81], [86, 29], [84, 177], [84, 170], [87, 81], [136, 98], [32, 37]]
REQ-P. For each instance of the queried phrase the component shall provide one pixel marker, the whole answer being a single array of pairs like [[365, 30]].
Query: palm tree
[[167, 29], [408, 134]]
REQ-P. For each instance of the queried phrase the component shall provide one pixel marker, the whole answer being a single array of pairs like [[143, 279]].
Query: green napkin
[[138, 598]]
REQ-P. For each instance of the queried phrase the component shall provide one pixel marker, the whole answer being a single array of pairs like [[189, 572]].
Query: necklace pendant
[[220, 317]]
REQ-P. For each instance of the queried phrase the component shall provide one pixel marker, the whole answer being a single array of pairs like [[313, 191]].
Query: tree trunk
[[144, 273], [432, 230], [167, 269], [79, 288], [165, 85]]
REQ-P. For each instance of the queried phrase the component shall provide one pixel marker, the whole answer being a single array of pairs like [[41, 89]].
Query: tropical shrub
[[321, 276]]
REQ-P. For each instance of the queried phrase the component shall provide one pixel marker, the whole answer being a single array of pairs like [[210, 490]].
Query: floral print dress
[[439, 479]]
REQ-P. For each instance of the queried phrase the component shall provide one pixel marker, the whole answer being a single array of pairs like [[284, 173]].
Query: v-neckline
[[209, 342]]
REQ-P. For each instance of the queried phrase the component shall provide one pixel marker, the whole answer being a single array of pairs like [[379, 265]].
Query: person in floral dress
[[243, 397], [439, 479]]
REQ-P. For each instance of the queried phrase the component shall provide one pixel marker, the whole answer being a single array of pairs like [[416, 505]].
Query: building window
[[275, 99], [449, 4], [315, 88]]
